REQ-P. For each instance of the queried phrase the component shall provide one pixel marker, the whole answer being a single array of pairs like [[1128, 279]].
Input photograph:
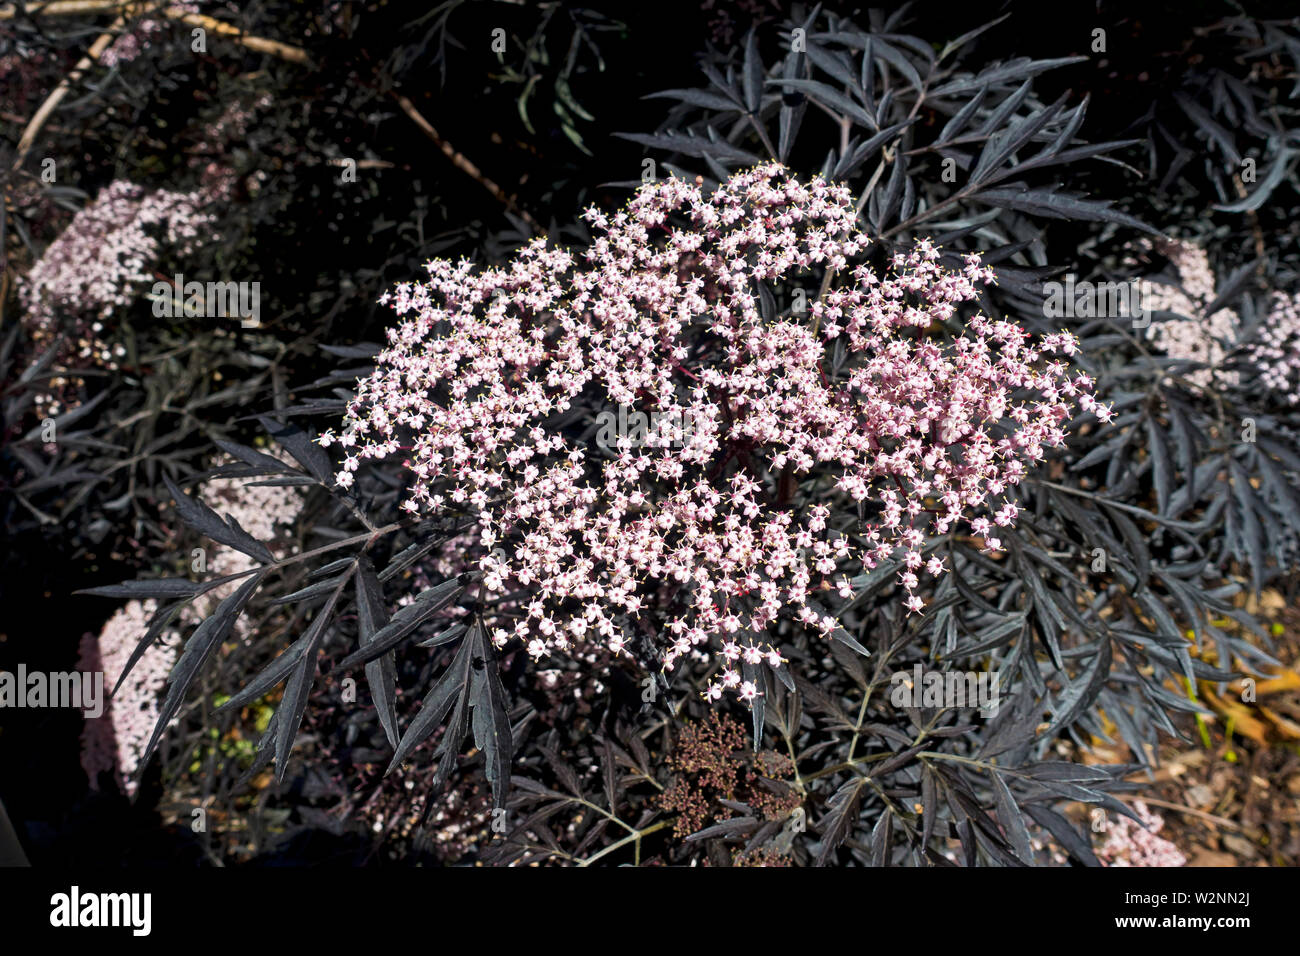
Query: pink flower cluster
[[708, 532], [101, 259], [99, 263], [136, 39], [1200, 338], [114, 741], [1128, 844], [1275, 355]]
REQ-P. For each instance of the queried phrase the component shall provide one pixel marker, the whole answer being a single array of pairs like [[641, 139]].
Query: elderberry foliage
[[794, 449]]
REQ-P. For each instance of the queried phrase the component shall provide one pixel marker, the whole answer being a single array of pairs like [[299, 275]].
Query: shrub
[[691, 516]]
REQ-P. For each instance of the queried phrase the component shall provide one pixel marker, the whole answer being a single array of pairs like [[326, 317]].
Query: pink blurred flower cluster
[[115, 741], [1128, 844], [1275, 354], [1200, 338], [103, 257], [138, 37], [100, 262], [933, 429]]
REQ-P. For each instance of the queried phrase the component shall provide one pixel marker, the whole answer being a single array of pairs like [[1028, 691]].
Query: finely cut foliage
[[537, 534]]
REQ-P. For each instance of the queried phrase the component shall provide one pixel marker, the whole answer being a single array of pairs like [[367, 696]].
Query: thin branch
[[52, 102], [284, 51], [134, 8], [460, 162], [635, 836], [61, 7], [1190, 811]]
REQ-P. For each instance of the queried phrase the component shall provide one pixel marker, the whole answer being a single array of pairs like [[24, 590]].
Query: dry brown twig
[[283, 51], [65, 85], [128, 8], [132, 8], [275, 48], [1191, 811], [61, 8], [462, 163]]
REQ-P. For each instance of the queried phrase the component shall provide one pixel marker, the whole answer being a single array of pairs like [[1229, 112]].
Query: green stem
[[635, 835]]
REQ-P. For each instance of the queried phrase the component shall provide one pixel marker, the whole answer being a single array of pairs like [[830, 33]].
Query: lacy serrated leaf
[[197, 515], [450, 689], [426, 604], [841, 818], [491, 717], [301, 676], [270, 675], [205, 639], [381, 674], [298, 443], [1080, 694]]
